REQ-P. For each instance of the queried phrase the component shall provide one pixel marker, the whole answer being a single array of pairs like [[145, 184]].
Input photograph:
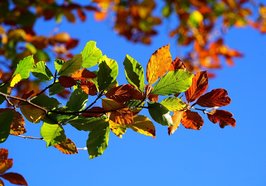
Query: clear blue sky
[[211, 156]]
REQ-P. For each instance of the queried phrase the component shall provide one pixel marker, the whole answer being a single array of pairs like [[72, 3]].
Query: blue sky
[[211, 156]]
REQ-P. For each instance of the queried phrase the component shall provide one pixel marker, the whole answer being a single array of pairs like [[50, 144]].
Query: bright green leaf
[[173, 82], [24, 67], [58, 63], [6, 119], [108, 71], [77, 100], [160, 114], [174, 104], [90, 54], [98, 140], [134, 72], [52, 134], [71, 66], [41, 71]]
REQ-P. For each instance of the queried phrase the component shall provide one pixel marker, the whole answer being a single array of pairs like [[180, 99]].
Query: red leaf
[[217, 97], [15, 178], [198, 87], [66, 81], [192, 120], [5, 163], [153, 97], [177, 64], [94, 112], [81, 14], [223, 117], [72, 43]]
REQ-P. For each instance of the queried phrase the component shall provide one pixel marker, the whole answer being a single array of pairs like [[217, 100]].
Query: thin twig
[[30, 137], [98, 97]]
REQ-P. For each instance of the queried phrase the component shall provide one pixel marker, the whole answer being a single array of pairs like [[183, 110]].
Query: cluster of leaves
[[5, 165], [171, 96]]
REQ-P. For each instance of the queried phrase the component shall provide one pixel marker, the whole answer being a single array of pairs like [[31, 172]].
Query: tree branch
[[29, 137]]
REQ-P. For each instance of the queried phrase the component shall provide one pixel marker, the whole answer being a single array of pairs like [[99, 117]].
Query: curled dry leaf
[[198, 87], [223, 117], [192, 120], [158, 64], [217, 97]]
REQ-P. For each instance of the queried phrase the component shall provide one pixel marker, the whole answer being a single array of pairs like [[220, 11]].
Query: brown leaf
[[5, 163], [176, 122], [81, 14], [223, 117], [192, 120], [177, 64], [158, 64], [62, 37], [3, 154], [153, 97], [32, 113], [94, 112], [124, 93], [17, 125], [66, 81], [217, 97], [67, 147], [2, 183], [15, 178], [198, 87]]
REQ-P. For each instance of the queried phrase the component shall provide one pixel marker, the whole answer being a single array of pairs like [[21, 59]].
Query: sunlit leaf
[[173, 82], [177, 116], [195, 18], [117, 129], [90, 54], [6, 119], [16, 79], [143, 125], [24, 67], [67, 147], [160, 114], [192, 120], [158, 64], [173, 104], [217, 97], [77, 100], [71, 66], [134, 72], [41, 71], [198, 87], [98, 140], [14, 178], [52, 134], [223, 117]]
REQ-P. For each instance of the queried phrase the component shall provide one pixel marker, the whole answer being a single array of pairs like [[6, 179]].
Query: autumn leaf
[[5, 163], [117, 129], [143, 125], [32, 113], [177, 116], [223, 117], [192, 120], [14, 178], [177, 64], [217, 97], [67, 147], [198, 87], [66, 81], [158, 64]]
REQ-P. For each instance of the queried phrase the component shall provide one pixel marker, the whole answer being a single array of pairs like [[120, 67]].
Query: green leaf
[[195, 18], [173, 82], [87, 124], [46, 102], [71, 66], [52, 134], [41, 71], [77, 100], [56, 89], [6, 119], [108, 71], [160, 114], [58, 63], [90, 55], [98, 140], [174, 104], [24, 67], [134, 72]]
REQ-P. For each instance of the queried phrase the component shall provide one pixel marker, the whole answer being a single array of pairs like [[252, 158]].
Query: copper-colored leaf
[[15, 178], [177, 116], [94, 112], [192, 120], [198, 87], [67, 147], [217, 97], [83, 74], [5, 163], [158, 64], [153, 97], [62, 37], [32, 113], [124, 93], [66, 81], [3, 154], [177, 64], [223, 117]]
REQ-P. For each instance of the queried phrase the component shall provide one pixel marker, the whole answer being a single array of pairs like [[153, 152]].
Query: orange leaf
[[67, 147], [62, 37], [158, 64], [3, 154], [176, 122], [100, 16], [223, 117], [153, 97], [217, 97], [177, 64], [15, 178], [5, 163], [198, 87], [66, 81], [192, 120], [83, 74]]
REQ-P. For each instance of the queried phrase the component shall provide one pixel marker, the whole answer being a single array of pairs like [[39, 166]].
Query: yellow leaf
[[17, 78], [176, 121], [32, 113], [143, 125], [159, 64], [117, 129]]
